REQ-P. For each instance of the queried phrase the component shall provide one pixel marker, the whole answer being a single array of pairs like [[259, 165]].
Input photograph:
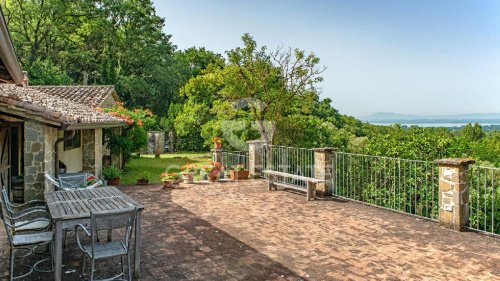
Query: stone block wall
[[323, 170], [38, 157], [92, 151], [454, 192]]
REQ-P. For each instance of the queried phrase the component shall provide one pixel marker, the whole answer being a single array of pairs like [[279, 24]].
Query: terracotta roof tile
[[90, 95], [53, 107]]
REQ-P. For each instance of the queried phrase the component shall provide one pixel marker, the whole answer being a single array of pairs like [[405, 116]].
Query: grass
[[170, 162]]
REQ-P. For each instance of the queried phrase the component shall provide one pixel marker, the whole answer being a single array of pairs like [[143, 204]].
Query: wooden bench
[[311, 182]]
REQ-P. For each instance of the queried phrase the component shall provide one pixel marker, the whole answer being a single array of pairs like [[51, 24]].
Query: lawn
[[170, 162]]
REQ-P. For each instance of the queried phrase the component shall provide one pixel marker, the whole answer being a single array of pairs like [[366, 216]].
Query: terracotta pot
[[217, 145], [142, 182], [168, 184], [114, 181], [188, 177], [238, 175], [214, 174]]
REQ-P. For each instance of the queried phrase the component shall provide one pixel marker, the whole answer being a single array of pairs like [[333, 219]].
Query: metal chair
[[79, 181], [109, 220], [50, 181], [16, 213], [22, 239]]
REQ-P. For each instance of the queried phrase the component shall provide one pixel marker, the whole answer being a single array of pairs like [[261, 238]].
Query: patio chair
[[24, 207], [109, 220], [79, 181], [50, 181], [39, 214], [25, 240]]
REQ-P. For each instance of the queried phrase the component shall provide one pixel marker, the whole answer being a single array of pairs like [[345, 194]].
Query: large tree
[[269, 81]]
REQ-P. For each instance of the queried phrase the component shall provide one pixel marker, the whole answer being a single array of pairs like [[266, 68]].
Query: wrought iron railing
[[232, 158], [291, 160], [409, 186], [484, 199]]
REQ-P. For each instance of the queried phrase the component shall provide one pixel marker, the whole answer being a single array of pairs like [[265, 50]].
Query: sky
[[412, 56]]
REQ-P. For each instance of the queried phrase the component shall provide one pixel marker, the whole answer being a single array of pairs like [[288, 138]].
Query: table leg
[[58, 252], [137, 249]]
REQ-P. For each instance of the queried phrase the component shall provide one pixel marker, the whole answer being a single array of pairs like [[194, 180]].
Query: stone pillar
[[34, 160], [217, 155], [255, 150], [323, 170], [92, 151], [454, 192]]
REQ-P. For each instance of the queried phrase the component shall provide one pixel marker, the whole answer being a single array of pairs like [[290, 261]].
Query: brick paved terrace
[[241, 231]]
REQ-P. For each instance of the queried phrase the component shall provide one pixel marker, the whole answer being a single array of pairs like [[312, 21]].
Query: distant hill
[[388, 117]]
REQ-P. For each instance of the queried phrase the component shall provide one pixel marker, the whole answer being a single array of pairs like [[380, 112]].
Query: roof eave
[[87, 126]]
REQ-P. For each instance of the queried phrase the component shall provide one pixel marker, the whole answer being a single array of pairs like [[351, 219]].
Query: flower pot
[[214, 174], [142, 182], [114, 181], [238, 175], [168, 184], [217, 145], [188, 177]]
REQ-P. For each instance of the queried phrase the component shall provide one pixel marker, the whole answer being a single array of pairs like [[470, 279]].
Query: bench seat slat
[[281, 174]]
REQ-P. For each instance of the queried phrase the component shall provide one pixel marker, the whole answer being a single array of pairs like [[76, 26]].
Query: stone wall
[[92, 151], [51, 135], [34, 159]]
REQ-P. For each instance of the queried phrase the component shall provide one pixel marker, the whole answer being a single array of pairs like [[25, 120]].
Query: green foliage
[[133, 136], [119, 42], [111, 172], [472, 133]]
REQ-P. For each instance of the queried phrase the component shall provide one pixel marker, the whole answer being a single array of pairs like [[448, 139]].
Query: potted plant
[[144, 178], [188, 171], [169, 179], [112, 175], [215, 169], [217, 142], [238, 173]]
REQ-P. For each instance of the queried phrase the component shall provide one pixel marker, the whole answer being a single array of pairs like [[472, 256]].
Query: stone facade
[[454, 193], [255, 150], [50, 156], [38, 157], [323, 170], [92, 151]]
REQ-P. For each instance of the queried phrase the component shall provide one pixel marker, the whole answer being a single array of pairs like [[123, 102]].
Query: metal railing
[[291, 160], [232, 158], [408, 186], [484, 199]]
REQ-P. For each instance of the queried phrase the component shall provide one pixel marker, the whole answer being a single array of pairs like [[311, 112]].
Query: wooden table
[[69, 208]]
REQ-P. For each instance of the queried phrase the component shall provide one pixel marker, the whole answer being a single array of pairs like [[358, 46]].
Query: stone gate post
[[255, 150], [323, 169], [454, 192]]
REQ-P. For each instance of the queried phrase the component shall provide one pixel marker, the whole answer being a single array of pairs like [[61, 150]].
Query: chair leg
[[122, 266], [11, 269], [83, 266], [129, 268], [92, 270]]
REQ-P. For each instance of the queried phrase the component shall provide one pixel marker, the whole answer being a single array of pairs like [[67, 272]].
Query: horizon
[[421, 58]]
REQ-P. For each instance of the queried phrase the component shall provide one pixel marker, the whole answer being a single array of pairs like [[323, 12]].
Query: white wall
[[72, 158]]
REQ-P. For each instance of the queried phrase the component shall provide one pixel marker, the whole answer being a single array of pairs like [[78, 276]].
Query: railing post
[[323, 170], [454, 192], [255, 150]]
